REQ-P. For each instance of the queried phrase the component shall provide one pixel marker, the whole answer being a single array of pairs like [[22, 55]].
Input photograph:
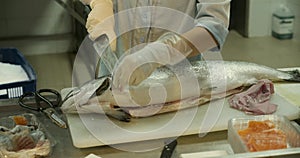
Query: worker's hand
[[136, 67], [101, 21]]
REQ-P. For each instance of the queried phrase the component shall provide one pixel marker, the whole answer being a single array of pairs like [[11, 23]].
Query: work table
[[64, 146], [186, 144]]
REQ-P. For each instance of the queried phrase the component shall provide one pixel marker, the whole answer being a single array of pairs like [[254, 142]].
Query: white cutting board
[[96, 130]]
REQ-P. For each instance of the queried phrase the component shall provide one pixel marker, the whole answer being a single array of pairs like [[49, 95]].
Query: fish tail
[[295, 75]]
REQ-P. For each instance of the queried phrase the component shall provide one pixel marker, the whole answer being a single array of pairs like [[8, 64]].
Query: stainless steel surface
[[71, 11], [292, 152], [186, 144]]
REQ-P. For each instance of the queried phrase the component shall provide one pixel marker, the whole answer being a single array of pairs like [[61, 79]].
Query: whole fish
[[176, 87]]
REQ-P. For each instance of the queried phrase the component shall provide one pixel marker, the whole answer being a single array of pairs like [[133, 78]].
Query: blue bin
[[16, 89]]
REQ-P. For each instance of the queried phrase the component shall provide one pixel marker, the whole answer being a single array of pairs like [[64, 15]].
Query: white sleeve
[[214, 16]]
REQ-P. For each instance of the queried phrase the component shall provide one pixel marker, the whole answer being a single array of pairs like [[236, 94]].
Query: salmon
[[263, 135], [176, 87]]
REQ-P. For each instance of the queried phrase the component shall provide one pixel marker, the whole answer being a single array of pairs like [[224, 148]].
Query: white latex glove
[[134, 68], [101, 21]]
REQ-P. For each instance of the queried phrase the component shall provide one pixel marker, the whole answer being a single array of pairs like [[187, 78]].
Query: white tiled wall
[[26, 18], [260, 16]]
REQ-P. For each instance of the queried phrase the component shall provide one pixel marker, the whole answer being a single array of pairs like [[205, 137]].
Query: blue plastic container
[[16, 89]]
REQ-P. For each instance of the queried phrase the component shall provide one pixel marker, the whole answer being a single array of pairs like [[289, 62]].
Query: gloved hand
[[100, 20], [134, 68]]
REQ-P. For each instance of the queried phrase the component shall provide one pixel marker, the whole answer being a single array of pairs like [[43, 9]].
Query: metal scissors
[[48, 107]]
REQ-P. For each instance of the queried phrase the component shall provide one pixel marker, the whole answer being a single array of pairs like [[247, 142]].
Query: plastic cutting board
[[92, 130]]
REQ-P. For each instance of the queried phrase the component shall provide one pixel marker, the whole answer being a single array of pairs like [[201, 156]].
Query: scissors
[[48, 108]]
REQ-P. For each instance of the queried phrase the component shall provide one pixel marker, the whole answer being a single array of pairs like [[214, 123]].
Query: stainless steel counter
[[186, 144]]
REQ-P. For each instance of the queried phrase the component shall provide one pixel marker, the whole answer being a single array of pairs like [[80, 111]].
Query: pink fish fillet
[[256, 100]]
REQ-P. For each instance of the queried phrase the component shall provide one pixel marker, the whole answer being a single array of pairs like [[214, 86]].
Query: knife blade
[[108, 57]]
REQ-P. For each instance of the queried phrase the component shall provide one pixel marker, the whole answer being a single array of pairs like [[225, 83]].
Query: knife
[[168, 149], [108, 57]]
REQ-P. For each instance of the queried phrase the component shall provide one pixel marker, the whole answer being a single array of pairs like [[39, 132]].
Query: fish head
[[105, 84], [89, 89], [81, 95]]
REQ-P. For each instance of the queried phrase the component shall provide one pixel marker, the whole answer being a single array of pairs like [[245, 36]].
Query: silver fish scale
[[167, 73], [181, 69], [217, 74]]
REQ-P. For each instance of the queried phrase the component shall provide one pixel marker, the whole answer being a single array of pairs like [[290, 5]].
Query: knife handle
[[168, 149]]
